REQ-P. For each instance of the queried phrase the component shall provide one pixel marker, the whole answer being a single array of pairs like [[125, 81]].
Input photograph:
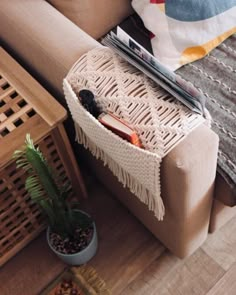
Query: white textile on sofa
[[159, 120]]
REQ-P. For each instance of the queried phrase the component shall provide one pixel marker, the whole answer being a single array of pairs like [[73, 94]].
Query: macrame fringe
[[89, 277], [154, 203]]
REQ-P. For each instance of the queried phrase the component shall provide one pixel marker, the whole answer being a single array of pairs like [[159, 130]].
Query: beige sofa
[[47, 41]]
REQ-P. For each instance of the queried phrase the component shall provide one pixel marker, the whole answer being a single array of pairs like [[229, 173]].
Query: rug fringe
[[90, 276]]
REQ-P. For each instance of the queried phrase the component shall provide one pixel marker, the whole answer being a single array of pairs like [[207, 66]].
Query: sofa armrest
[[43, 39], [187, 185]]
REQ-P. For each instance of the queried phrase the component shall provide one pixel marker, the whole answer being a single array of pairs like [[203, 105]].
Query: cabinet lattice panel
[[21, 219], [26, 107]]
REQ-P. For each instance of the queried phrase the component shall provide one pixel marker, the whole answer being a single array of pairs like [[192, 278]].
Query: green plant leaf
[[48, 191]]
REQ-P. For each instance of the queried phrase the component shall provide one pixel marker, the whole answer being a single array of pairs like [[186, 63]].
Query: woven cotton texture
[[159, 120]]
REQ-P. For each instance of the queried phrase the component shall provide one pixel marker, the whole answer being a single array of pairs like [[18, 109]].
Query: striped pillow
[[186, 30]]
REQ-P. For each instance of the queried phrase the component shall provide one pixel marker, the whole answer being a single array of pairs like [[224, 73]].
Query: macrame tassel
[[154, 203]]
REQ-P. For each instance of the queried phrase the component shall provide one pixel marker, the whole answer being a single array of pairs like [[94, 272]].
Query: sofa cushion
[[186, 30], [220, 215], [223, 192], [94, 17]]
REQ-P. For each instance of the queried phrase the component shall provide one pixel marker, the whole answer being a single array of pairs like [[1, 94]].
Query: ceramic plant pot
[[81, 257]]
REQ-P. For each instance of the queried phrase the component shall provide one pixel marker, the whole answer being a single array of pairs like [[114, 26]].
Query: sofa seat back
[[94, 17]]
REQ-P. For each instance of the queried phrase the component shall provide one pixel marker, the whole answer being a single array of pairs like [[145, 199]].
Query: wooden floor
[[130, 259]]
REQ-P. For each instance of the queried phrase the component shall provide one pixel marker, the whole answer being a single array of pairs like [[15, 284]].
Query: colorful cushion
[[186, 30]]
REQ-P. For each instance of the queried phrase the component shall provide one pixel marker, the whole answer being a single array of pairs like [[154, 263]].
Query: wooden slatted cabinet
[[25, 107]]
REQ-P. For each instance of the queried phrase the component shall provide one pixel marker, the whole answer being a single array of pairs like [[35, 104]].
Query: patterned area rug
[[81, 280], [215, 76]]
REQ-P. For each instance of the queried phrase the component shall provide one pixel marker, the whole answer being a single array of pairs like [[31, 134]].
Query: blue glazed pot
[[81, 257]]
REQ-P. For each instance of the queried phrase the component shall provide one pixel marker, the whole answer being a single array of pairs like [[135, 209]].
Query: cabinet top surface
[[25, 107]]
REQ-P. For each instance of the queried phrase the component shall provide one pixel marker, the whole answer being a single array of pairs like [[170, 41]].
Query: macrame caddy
[[159, 120]]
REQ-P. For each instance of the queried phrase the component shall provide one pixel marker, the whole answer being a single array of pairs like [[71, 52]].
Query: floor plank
[[130, 259], [30, 270], [227, 284], [169, 275], [126, 248], [221, 245]]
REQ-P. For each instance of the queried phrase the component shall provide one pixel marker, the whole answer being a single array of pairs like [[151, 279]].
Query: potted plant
[[71, 233]]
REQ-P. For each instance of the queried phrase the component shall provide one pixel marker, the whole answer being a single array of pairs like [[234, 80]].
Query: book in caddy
[[120, 128], [122, 44], [110, 121]]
